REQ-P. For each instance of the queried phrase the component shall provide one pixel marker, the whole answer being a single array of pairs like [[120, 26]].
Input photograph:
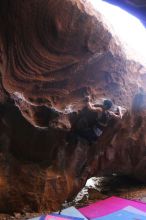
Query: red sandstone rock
[[54, 54]]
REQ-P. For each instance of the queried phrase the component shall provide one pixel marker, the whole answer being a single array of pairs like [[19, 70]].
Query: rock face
[[53, 55]]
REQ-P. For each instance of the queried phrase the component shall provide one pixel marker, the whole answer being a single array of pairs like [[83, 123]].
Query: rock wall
[[53, 55]]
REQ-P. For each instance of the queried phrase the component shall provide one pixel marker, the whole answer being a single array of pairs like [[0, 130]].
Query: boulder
[[53, 55]]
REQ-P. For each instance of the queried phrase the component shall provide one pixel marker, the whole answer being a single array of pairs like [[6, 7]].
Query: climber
[[104, 115], [104, 109], [91, 129]]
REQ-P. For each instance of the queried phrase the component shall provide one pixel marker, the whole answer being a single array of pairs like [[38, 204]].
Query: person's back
[[91, 130], [103, 118]]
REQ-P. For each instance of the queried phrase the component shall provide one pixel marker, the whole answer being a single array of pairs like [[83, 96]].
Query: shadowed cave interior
[[56, 58]]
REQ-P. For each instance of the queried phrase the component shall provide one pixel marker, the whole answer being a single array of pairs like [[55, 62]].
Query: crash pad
[[108, 206]]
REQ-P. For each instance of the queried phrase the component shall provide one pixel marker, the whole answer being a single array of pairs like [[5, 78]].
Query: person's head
[[107, 104]]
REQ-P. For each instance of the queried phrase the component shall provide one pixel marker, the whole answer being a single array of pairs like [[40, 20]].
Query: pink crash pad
[[107, 206]]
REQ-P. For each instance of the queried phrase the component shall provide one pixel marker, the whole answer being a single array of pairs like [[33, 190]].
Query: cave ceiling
[[55, 57]]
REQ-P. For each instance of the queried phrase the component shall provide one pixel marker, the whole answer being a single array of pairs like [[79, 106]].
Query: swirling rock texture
[[52, 55]]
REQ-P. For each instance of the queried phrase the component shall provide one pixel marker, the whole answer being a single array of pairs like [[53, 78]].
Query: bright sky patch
[[128, 28]]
